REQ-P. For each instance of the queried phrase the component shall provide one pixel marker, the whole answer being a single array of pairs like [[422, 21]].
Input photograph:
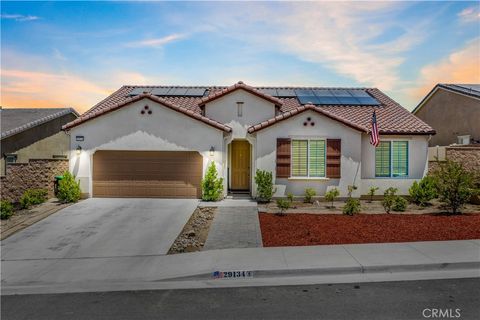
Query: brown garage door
[[155, 174]]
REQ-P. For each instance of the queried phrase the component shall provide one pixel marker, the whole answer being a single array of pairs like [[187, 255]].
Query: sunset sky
[[57, 54]]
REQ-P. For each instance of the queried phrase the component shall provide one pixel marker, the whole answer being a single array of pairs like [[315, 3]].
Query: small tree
[[455, 185], [309, 194], [389, 197], [352, 205], [331, 195], [264, 182], [68, 188], [212, 185], [421, 193], [283, 205], [371, 192]]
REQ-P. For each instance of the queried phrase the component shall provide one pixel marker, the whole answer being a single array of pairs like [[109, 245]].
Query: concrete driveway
[[102, 228]]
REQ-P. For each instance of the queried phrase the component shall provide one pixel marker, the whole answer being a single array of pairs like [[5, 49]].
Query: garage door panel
[[163, 174]]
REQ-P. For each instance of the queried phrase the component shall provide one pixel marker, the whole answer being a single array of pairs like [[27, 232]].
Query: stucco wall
[[266, 143], [57, 144], [451, 115], [255, 110], [127, 129]]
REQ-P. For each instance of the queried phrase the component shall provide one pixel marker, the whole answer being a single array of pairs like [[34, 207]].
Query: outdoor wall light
[[212, 150], [78, 150]]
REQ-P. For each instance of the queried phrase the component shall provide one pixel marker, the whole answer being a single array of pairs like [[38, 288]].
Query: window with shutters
[[308, 158], [391, 159]]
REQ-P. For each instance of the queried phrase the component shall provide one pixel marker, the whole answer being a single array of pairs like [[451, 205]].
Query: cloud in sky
[[19, 17], [462, 66], [155, 42], [471, 14]]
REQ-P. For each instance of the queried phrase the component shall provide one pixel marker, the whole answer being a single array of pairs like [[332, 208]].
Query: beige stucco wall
[[451, 114], [57, 144], [127, 129]]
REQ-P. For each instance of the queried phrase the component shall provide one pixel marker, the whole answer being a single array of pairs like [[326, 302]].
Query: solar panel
[[325, 96], [306, 96], [160, 91], [138, 91], [195, 92], [344, 97], [178, 91], [269, 91], [364, 98], [286, 93]]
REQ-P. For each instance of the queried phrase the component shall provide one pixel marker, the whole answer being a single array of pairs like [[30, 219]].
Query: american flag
[[374, 137]]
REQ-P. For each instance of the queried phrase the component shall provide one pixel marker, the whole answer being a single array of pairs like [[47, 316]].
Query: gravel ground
[[194, 234]]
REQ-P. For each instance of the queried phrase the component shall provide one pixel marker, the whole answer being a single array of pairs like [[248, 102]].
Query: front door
[[240, 164]]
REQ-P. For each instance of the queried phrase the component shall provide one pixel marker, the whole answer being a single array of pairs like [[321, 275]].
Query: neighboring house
[[156, 141], [453, 110], [34, 133]]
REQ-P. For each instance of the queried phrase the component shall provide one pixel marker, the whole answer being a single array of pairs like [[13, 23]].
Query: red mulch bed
[[316, 229]]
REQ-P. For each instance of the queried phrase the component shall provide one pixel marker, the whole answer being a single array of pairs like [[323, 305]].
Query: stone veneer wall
[[468, 156], [34, 174]]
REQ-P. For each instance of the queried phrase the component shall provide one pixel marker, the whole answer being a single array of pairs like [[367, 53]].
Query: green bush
[[371, 192], [455, 185], [309, 194], [264, 182], [68, 188], [352, 206], [6, 210], [283, 205], [290, 197], [32, 197], [389, 197], [331, 195], [212, 185], [423, 192], [399, 204]]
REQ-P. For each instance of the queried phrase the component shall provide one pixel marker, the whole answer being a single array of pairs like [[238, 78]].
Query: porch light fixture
[[78, 150], [212, 150]]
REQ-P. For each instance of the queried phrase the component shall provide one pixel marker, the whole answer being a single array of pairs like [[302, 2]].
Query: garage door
[[153, 174]]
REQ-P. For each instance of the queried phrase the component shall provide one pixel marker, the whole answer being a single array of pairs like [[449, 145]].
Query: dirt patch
[[373, 207], [195, 233], [25, 218], [318, 229]]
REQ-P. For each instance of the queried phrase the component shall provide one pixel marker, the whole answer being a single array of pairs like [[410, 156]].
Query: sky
[[74, 54]]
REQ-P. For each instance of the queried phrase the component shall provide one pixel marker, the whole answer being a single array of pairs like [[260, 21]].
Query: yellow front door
[[240, 164]]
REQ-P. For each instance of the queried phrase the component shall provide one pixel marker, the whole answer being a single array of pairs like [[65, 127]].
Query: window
[[308, 158], [240, 109], [391, 159]]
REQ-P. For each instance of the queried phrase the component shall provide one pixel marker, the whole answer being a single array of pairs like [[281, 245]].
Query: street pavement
[[458, 298]]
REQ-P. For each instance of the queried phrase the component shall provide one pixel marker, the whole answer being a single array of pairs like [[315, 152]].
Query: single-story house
[[34, 133], [454, 111], [157, 141]]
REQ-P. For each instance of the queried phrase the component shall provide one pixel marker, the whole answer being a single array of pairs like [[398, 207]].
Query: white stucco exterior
[[169, 130], [126, 129]]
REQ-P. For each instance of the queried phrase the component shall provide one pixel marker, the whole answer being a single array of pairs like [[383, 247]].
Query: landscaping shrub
[[290, 197], [212, 185], [309, 194], [32, 197], [421, 193], [283, 205], [455, 185], [68, 188], [399, 204], [352, 206], [371, 192], [265, 189], [6, 210], [389, 197], [331, 195]]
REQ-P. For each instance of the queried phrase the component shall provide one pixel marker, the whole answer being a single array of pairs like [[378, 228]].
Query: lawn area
[[317, 229]]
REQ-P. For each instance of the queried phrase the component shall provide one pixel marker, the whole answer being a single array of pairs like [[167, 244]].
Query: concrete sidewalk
[[337, 262]]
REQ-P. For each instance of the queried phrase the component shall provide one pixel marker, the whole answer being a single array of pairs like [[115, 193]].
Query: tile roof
[[392, 118], [16, 120], [93, 113], [472, 90]]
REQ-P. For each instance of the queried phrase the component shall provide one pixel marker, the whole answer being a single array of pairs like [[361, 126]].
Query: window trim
[[391, 176], [308, 177]]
